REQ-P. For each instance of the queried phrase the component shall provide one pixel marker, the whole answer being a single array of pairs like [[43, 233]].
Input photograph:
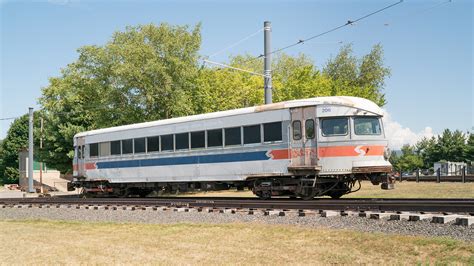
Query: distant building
[[50, 177], [449, 168]]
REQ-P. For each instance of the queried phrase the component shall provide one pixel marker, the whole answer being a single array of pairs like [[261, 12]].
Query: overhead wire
[[236, 43], [9, 118], [301, 41], [416, 12]]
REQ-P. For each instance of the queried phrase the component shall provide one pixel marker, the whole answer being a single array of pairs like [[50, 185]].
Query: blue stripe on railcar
[[197, 159]]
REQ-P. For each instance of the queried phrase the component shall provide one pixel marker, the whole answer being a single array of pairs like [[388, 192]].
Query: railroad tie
[[380, 215], [443, 219], [466, 221], [419, 217], [330, 213]]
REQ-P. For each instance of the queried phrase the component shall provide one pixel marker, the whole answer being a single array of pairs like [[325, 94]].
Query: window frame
[[259, 127], [120, 148], [335, 117], [123, 153], [90, 149], [144, 146], [240, 136], [191, 139], [172, 143], [148, 142], [365, 117], [176, 141], [281, 132], [293, 129], [306, 128], [222, 138]]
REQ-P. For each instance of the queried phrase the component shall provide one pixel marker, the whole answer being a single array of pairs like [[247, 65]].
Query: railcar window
[[94, 149], [83, 148], [115, 147], [309, 128], [214, 138], [252, 134], [104, 149], [153, 144], [198, 140], [167, 143], [79, 152], [139, 145], [272, 132], [297, 130], [182, 141], [367, 126], [232, 136], [127, 146], [336, 126]]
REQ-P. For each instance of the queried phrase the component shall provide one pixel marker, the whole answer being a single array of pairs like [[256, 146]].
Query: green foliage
[[469, 151], [16, 139], [408, 161], [150, 72], [449, 146], [143, 73], [364, 77]]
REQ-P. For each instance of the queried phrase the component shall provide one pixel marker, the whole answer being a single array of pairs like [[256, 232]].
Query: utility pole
[[267, 65], [41, 163], [30, 151]]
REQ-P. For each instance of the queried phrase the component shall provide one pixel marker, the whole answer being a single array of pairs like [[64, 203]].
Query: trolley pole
[[267, 65], [30, 151]]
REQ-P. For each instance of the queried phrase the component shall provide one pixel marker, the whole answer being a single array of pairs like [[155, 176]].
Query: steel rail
[[362, 204]]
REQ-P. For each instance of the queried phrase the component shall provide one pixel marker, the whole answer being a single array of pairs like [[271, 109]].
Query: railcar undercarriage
[[305, 187]]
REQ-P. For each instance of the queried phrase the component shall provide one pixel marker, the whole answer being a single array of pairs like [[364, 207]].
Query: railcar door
[[80, 156], [303, 153]]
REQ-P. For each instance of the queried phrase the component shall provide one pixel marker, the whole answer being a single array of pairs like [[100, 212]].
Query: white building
[[449, 168]]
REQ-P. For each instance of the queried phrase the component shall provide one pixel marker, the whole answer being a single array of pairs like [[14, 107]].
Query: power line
[[416, 12], [236, 43], [349, 22], [9, 118]]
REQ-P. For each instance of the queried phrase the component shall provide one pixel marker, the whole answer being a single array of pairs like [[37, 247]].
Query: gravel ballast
[[420, 228]]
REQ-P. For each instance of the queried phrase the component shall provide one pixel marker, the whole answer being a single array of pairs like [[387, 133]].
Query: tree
[[16, 140], [469, 151], [364, 77], [151, 72], [409, 160], [143, 73]]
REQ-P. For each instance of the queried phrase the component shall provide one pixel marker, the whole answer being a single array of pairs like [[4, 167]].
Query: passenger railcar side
[[305, 148]]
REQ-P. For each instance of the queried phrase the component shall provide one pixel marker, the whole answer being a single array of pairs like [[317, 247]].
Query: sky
[[427, 44]]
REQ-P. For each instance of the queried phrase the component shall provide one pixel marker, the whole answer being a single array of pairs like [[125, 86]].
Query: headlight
[[387, 153]]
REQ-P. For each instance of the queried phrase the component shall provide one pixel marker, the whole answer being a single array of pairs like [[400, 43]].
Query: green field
[[402, 190], [52, 242]]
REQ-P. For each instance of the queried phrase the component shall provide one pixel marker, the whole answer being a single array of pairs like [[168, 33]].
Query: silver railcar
[[300, 148]]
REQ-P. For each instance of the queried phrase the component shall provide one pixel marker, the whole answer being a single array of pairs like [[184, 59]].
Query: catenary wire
[[349, 22], [236, 43]]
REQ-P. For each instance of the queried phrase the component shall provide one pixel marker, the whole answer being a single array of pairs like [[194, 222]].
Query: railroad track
[[465, 206]]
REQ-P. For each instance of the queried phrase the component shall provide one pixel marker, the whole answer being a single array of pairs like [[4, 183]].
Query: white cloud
[[398, 135]]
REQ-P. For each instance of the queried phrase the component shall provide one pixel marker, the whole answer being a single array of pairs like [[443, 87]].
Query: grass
[[54, 242], [402, 190]]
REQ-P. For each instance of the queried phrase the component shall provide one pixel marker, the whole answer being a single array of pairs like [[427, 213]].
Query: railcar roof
[[355, 102]]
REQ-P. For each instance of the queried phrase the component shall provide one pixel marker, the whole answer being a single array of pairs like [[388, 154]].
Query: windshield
[[367, 126]]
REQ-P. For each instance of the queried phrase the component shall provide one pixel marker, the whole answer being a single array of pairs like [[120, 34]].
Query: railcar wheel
[[264, 194], [307, 193], [336, 194], [340, 190], [307, 197]]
